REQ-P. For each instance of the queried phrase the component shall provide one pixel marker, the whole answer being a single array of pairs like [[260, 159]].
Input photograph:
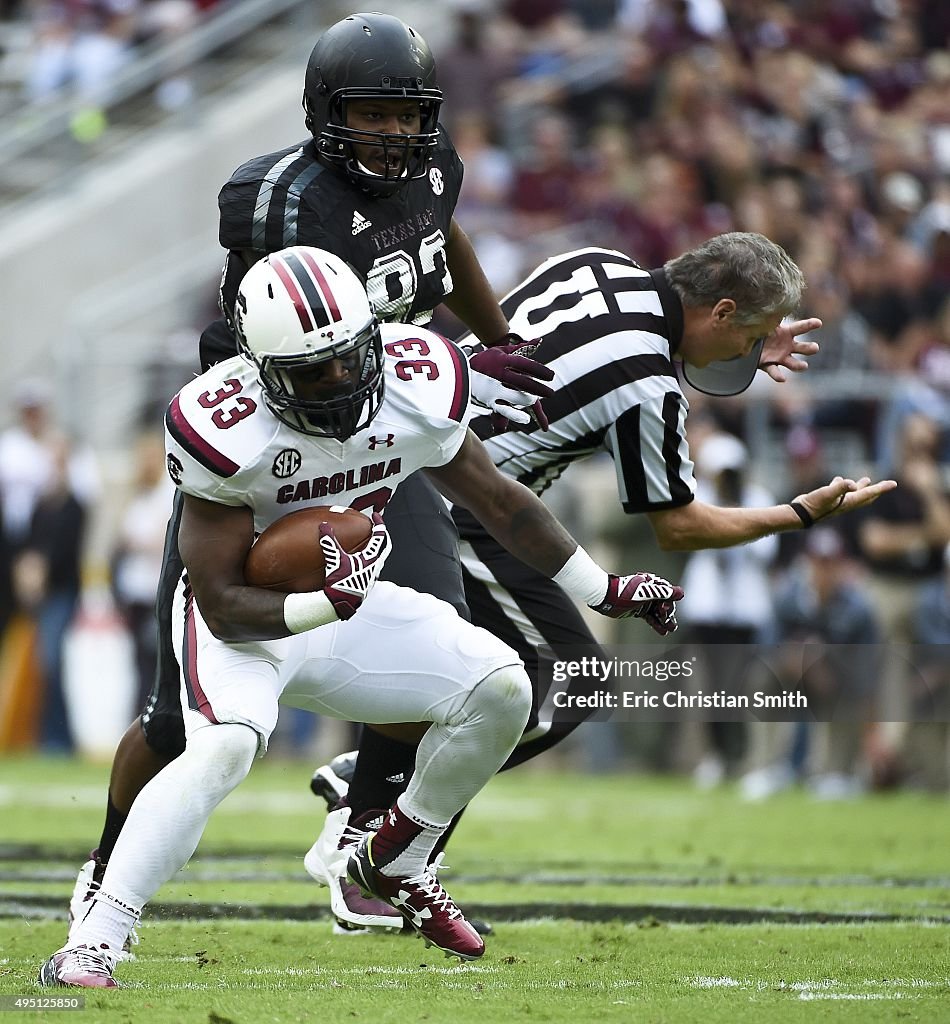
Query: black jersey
[[609, 331], [396, 243]]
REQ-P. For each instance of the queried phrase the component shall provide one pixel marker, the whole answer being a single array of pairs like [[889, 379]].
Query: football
[[287, 556]]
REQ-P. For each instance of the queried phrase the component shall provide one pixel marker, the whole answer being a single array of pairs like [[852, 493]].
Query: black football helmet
[[372, 56]]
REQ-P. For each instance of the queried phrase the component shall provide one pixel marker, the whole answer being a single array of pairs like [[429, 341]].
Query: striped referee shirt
[[609, 331]]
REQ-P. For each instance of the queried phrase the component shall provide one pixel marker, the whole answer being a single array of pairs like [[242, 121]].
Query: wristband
[[308, 610], [583, 578], [806, 517]]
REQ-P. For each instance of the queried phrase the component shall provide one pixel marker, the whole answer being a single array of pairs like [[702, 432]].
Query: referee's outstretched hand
[[783, 351], [842, 495]]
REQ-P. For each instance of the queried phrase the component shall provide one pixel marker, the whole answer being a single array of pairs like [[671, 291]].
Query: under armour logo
[[402, 904], [374, 442], [435, 180]]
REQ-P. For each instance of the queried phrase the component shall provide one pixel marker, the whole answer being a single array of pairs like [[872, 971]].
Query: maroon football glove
[[509, 381], [350, 577], [644, 596]]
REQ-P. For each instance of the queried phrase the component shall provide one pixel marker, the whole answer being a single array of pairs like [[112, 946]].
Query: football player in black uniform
[[377, 182]]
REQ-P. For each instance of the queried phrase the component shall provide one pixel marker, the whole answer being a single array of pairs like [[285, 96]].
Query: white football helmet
[[295, 310]]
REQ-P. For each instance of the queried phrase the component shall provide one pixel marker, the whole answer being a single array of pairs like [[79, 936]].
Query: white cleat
[[326, 863], [81, 967]]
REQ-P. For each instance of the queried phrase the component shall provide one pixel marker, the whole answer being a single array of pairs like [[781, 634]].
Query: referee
[[613, 334]]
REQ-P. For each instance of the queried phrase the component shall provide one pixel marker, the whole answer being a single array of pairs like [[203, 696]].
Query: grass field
[[613, 899]]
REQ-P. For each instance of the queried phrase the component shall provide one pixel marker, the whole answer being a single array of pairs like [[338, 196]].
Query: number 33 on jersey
[[223, 444]]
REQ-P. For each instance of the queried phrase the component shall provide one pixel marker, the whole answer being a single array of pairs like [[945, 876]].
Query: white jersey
[[225, 445]]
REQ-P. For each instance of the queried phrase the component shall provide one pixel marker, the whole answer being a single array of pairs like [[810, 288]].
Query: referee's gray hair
[[744, 266]]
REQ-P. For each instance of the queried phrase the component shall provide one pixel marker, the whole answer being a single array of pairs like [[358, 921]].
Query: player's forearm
[[213, 541], [697, 526], [509, 511], [472, 299], [521, 523], [237, 614]]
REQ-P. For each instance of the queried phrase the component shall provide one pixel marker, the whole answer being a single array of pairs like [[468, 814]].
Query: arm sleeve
[[651, 455]]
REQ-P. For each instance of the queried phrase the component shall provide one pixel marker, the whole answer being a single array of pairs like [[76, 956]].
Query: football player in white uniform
[[324, 406]]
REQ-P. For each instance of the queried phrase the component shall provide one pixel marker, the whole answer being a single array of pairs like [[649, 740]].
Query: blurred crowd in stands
[[76, 48], [647, 126]]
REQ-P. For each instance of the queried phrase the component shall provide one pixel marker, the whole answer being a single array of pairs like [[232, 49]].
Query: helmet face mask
[[372, 57], [303, 320], [401, 156], [350, 407]]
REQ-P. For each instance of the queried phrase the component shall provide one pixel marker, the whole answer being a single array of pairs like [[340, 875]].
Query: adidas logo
[[401, 777], [360, 223]]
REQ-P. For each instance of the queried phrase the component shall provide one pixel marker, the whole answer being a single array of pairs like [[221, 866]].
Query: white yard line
[[827, 988]]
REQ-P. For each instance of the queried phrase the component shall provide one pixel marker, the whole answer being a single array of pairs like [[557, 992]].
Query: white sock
[[169, 815], [108, 920], [413, 859]]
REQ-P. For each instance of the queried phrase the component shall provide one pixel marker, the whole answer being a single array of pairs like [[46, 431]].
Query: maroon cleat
[[421, 900]]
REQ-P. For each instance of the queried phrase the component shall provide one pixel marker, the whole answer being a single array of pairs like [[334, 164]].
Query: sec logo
[[287, 463], [435, 180]]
